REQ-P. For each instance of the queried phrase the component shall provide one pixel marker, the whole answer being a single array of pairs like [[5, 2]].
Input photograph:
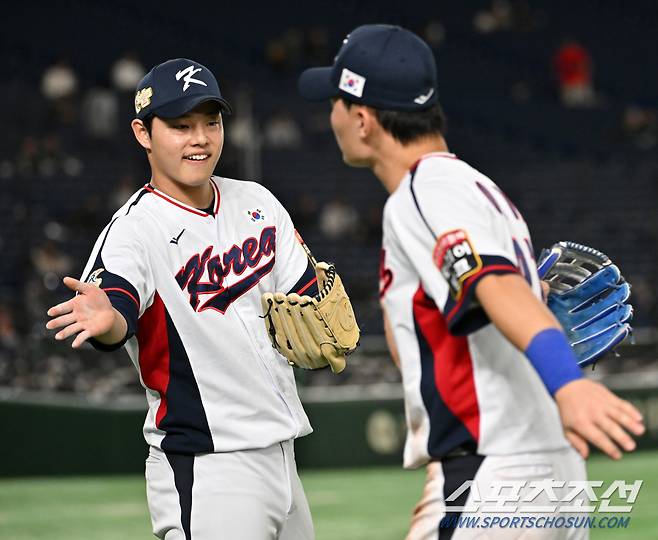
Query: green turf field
[[346, 504]]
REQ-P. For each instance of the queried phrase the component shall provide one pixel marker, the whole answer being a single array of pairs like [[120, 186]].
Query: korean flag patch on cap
[[351, 83]]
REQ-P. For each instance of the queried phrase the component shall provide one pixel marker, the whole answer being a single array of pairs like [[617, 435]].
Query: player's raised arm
[[589, 411], [89, 314]]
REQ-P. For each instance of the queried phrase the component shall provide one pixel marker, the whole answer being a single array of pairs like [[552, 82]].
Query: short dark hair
[[408, 126], [148, 124]]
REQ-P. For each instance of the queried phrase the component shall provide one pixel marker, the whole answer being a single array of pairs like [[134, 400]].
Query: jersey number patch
[[457, 260]]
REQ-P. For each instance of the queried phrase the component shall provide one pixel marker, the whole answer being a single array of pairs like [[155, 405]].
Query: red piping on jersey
[[154, 357], [182, 206], [453, 365], [217, 195], [124, 291], [385, 274], [473, 279], [300, 291], [447, 155]]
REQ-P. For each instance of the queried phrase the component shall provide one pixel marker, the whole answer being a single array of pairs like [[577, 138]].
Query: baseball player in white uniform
[[491, 383], [177, 276]]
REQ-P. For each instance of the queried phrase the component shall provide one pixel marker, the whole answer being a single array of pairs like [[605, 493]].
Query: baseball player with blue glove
[[493, 388]]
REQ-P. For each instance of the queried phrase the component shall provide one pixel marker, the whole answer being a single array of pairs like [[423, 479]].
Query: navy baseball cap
[[380, 65], [174, 88]]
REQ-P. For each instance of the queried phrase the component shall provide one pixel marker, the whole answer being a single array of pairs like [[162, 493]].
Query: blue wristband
[[553, 358]]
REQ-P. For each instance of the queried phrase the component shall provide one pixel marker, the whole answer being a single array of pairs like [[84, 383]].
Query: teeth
[[198, 157]]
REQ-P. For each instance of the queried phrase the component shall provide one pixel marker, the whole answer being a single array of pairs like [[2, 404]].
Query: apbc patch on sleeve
[[456, 258]]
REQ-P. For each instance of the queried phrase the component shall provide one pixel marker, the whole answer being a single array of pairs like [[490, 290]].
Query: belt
[[458, 451]]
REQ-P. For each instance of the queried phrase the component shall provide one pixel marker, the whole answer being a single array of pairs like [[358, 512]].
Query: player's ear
[[141, 133], [366, 121]]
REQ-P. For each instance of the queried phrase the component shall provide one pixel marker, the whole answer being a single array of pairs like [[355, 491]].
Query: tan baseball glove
[[312, 332]]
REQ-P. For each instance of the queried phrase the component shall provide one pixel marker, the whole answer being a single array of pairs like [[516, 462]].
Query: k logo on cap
[[188, 78]]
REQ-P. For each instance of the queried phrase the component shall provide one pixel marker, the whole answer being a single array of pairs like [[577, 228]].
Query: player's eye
[[180, 126], [214, 123]]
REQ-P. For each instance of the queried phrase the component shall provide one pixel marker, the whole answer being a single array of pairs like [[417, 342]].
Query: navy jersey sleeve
[[307, 284], [118, 265]]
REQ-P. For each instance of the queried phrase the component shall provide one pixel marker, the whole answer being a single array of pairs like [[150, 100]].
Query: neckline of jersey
[[447, 155], [187, 207]]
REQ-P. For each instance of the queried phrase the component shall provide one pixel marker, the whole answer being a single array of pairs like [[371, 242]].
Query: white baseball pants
[[444, 477], [245, 495]]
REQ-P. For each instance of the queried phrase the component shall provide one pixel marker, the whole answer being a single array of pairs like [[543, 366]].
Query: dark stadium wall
[[42, 439]]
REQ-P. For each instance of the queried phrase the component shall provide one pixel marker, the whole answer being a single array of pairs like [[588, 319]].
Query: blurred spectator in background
[[496, 18], [527, 18], [28, 155], [316, 49], [640, 127], [372, 225], [502, 15], [45, 158], [9, 344], [8, 334], [282, 131], [124, 75], [285, 52], [59, 85], [521, 91], [434, 33], [305, 212], [51, 158], [276, 55], [51, 263], [244, 131], [126, 72], [100, 110], [54, 159], [293, 41], [125, 187], [339, 220], [59, 81], [573, 68], [644, 301], [90, 214]]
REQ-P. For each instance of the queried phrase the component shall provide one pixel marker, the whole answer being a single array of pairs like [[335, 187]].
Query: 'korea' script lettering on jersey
[[236, 260]]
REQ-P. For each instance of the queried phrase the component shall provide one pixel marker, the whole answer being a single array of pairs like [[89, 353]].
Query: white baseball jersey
[[189, 284], [465, 385]]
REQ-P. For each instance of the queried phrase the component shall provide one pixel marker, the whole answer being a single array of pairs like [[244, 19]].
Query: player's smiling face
[[185, 150]]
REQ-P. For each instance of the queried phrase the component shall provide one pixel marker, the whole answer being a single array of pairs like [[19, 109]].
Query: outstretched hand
[[591, 413], [88, 314]]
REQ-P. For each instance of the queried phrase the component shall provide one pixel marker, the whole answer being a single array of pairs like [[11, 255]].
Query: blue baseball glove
[[589, 296]]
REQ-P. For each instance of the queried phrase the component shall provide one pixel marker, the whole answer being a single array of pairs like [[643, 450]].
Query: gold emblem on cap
[[143, 98]]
